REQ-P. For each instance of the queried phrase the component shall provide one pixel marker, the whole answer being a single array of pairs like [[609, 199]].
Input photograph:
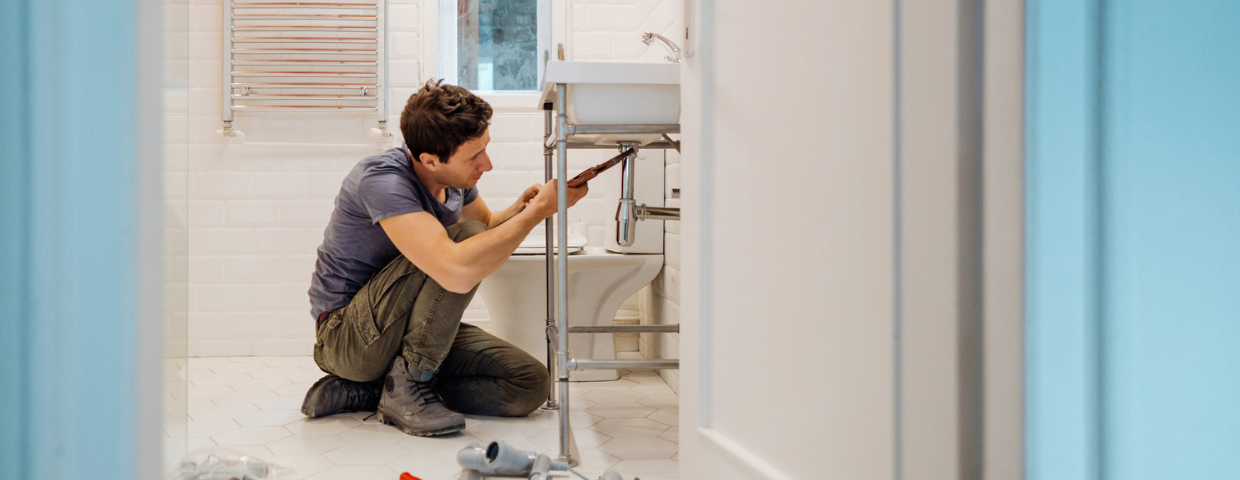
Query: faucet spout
[[650, 37]]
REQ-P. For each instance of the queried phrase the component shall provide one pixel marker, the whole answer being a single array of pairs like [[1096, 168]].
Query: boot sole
[[422, 433]]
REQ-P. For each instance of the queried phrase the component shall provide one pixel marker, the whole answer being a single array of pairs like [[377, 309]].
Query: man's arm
[[477, 210], [457, 267]]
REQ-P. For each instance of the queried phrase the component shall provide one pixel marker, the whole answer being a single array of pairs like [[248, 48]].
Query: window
[[494, 45]]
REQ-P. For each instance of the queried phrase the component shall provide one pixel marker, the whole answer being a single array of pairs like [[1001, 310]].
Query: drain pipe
[[626, 212]]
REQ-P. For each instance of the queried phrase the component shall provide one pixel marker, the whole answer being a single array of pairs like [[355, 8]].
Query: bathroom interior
[[951, 239], [261, 173]]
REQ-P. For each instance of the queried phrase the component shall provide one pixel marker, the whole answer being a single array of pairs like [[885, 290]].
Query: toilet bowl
[[598, 282]]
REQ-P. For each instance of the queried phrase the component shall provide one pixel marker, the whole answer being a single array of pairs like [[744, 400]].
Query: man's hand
[[544, 199], [528, 195]]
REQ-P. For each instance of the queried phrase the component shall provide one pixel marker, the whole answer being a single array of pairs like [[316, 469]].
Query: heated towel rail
[[306, 57]]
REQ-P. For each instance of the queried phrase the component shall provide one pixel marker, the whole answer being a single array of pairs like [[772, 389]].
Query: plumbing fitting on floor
[[500, 460]]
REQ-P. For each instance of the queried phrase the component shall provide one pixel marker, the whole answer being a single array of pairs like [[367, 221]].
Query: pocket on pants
[[363, 324]]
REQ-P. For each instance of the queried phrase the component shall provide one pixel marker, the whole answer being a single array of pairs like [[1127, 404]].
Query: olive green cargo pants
[[402, 311]]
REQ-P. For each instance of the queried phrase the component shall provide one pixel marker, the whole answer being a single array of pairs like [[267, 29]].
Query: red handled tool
[[592, 172]]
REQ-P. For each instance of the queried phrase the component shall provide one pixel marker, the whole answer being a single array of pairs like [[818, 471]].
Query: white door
[[787, 341]]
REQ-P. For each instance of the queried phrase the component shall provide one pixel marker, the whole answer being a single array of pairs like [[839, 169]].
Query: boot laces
[[358, 394], [426, 392]]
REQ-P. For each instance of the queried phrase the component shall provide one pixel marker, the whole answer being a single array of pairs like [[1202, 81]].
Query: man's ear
[[428, 160]]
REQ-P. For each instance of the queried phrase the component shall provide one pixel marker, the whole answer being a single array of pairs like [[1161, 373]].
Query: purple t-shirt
[[354, 246]]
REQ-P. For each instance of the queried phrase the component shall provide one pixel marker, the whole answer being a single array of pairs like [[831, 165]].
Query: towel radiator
[[305, 57]]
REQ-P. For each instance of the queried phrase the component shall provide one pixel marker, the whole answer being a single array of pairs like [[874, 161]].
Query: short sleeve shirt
[[354, 246]]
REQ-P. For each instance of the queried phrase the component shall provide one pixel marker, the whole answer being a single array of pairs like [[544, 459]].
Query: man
[[402, 255]]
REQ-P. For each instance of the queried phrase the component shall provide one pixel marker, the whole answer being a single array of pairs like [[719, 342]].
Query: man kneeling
[[402, 255]]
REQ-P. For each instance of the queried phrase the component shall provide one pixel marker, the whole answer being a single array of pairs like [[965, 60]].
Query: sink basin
[[616, 93]]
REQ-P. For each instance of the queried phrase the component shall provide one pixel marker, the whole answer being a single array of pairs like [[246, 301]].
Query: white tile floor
[[251, 405]]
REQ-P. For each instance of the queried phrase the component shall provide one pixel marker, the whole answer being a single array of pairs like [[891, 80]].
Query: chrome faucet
[[650, 37]]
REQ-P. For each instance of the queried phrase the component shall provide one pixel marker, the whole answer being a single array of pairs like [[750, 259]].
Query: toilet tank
[[647, 189]]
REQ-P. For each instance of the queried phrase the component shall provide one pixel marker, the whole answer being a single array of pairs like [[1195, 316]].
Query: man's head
[[438, 121]]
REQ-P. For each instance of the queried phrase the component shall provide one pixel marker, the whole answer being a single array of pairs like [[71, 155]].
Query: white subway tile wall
[[257, 208]]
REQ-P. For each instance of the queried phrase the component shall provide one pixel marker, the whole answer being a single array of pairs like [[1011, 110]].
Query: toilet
[[599, 279], [598, 282]]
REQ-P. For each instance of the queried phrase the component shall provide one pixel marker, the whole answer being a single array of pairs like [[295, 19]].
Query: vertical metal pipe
[[551, 348], [626, 221], [383, 67], [562, 279], [228, 66]]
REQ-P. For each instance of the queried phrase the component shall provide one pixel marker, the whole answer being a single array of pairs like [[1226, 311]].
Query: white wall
[[258, 208]]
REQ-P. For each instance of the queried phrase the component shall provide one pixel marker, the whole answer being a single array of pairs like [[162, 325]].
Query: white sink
[[616, 93]]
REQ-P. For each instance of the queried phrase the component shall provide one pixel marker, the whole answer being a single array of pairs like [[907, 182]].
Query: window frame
[[442, 13]]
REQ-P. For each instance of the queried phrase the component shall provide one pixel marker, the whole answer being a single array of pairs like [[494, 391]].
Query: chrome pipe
[[305, 51], [657, 213], [305, 40], [552, 333], [562, 279], [590, 145], [302, 63], [243, 73], [304, 85], [296, 28], [383, 67], [626, 218], [311, 16], [228, 79], [606, 129], [328, 107], [300, 96], [668, 364], [625, 329], [299, 5]]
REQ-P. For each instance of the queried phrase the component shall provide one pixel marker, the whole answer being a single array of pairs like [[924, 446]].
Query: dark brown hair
[[439, 118]]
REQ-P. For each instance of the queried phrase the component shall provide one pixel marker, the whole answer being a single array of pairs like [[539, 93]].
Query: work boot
[[414, 407], [331, 395]]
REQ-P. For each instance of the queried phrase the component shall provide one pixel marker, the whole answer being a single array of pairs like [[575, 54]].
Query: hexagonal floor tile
[[620, 410], [251, 436], [371, 453], [652, 469], [218, 380], [441, 443], [630, 427], [211, 427], [612, 396], [270, 418], [306, 444], [671, 435], [630, 448], [666, 416], [237, 367], [277, 402], [323, 425], [504, 428], [373, 432], [302, 465], [355, 472], [586, 438]]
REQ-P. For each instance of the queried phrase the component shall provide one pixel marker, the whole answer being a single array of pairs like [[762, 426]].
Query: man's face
[[468, 163]]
